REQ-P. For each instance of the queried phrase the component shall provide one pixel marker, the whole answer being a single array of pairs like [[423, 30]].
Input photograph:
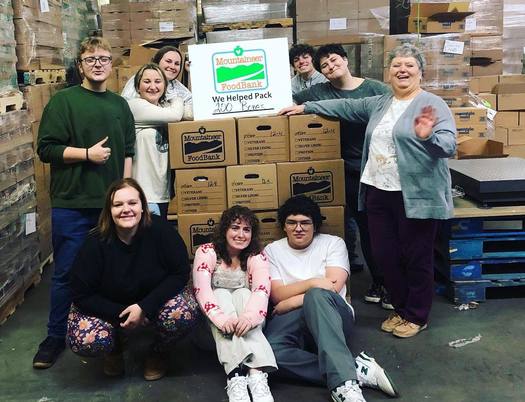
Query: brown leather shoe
[[391, 322], [155, 366], [407, 329], [114, 364]]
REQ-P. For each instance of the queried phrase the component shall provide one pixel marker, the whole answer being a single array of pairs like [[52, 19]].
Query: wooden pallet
[[465, 292], [11, 102], [42, 77], [17, 298], [487, 247], [269, 23], [476, 270], [486, 227]]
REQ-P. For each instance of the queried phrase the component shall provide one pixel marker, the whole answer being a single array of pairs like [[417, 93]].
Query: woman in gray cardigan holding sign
[[405, 182]]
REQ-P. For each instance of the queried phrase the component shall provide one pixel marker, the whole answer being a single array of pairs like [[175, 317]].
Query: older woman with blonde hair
[[405, 182]]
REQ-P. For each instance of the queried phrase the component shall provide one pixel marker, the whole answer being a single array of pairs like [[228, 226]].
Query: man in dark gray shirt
[[331, 60]]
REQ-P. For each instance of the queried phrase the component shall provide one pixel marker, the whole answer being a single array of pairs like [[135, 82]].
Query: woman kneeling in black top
[[132, 270]]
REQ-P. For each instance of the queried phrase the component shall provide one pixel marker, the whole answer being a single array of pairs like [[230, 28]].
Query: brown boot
[[408, 329], [155, 366], [114, 364]]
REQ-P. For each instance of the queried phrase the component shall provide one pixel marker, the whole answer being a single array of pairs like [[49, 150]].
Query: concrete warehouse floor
[[425, 368]]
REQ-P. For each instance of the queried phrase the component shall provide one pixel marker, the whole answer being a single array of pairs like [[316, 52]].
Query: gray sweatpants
[[311, 342], [252, 349]]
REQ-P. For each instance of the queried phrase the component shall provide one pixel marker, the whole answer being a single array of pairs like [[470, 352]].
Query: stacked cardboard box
[[116, 26], [38, 33], [514, 37], [246, 20], [317, 19], [510, 117], [18, 238], [124, 24], [278, 158], [7, 50], [447, 73]]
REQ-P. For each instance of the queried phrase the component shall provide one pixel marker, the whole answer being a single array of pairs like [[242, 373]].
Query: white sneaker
[[372, 375], [237, 389], [258, 385], [349, 392]]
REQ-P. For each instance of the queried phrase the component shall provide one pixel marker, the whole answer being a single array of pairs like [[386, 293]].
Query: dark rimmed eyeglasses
[[305, 225], [91, 61]]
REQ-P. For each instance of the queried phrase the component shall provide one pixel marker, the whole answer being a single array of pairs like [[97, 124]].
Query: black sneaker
[[48, 352], [385, 300], [373, 295]]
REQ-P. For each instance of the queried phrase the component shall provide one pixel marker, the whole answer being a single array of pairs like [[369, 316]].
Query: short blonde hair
[[91, 43]]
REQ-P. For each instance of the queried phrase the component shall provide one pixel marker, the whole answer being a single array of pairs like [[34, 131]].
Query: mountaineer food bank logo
[[240, 70], [203, 146], [201, 233], [318, 185]]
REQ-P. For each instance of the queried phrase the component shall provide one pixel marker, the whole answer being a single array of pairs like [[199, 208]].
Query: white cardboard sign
[[240, 79]]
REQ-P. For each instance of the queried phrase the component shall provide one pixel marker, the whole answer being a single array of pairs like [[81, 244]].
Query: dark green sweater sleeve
[[53, 133], [354, 110]]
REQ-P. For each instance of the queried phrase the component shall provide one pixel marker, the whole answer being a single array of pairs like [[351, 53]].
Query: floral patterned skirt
[[91, 336]]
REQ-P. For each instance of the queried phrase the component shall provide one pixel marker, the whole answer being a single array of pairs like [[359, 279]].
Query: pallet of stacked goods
[[129, 25], [20, 266], [317, 19], [38, 33], [226, 21], [514, 37]]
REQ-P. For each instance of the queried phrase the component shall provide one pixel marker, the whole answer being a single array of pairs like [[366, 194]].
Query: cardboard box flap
[[510, 88], [450, 16], [430, 9], [477, 148]]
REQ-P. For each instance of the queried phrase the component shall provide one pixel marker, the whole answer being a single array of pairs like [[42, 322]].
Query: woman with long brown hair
[[132, 271], [232, 286]]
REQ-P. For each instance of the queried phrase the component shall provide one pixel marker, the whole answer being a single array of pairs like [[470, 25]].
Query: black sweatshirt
[[107, 277]]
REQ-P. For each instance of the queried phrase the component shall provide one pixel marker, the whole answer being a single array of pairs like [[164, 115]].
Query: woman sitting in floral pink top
[[232, 286]]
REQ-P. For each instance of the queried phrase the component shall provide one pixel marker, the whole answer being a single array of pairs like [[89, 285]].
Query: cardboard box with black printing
[[438, 17], [203, 143], [263, 139], [477, 148], [323, 181], [469, 115], [313, 138], [200, 190], [252, 186], [197, 229], [472, 130], [269, 228], [333, 221]]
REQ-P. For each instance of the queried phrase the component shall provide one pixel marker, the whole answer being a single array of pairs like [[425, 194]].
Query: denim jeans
[[69, 230]]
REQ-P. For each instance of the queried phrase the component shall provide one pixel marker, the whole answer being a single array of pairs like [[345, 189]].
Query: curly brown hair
[[219, 236]]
